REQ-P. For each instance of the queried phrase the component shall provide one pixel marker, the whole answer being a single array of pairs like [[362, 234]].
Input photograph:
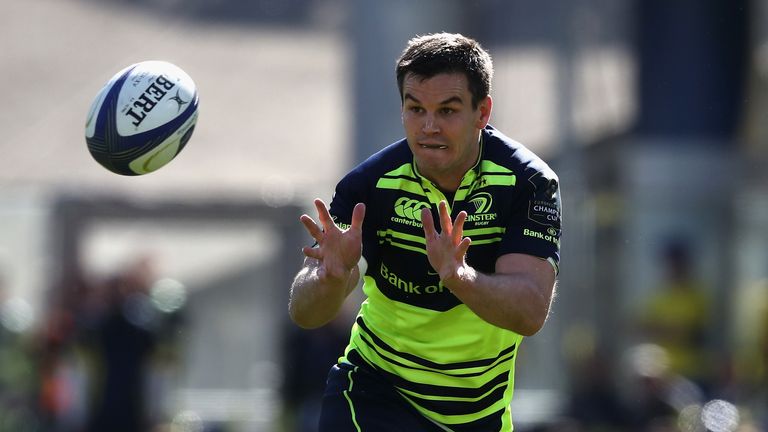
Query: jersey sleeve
[[348, 192], [535, 224], [352, 189]]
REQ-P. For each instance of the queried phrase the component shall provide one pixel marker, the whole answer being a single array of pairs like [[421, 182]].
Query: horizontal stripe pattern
[[401, 184], [403, 241], [487, 363], [403, 179], [492, 174], [452, 393], [418, 244], [463, 407]]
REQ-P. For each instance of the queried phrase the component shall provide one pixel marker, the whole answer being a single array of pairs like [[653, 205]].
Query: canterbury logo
[[482, 202], [409, 208]]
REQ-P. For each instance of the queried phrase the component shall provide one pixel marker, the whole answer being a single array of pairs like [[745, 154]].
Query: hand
[[337, 251], [446, 250]]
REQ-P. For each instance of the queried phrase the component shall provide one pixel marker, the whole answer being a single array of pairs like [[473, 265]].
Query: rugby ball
[[142, 118]]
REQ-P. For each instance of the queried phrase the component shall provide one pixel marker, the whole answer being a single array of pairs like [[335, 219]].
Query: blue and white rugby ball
[[142, 118]]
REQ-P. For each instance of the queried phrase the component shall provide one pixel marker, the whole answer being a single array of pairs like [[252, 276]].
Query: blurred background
[[158, 303]]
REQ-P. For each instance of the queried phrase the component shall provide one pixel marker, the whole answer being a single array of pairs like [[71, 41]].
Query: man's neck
[[449, 182]]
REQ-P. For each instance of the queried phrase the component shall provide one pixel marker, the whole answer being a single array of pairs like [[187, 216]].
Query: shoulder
[[519, 159], [380, 163], [360, 184], [512, 154]]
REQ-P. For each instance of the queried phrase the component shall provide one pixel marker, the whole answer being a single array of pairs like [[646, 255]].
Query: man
[[454, 234]]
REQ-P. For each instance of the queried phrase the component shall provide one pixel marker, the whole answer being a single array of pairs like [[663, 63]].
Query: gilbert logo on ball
[[142, 118]]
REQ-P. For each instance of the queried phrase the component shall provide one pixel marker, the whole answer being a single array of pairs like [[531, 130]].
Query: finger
[[323, 215], [428, 223], [312, 252], [463, 247], [446, 226], [358, 214], [458, 226], [311, 227]]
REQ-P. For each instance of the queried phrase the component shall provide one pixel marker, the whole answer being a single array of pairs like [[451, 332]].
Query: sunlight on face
[[442, 127]]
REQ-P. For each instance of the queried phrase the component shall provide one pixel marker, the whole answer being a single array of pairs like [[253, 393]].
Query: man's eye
[[416, 109], [447, 110]]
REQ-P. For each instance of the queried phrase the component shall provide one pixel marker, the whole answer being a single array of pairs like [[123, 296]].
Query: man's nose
[[430, 125]]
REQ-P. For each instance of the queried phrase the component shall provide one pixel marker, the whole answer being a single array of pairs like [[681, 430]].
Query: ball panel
[[153, 93], [163, 153], [90, 124]]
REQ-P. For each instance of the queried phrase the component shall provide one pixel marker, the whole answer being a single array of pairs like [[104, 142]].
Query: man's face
[[441, 126]]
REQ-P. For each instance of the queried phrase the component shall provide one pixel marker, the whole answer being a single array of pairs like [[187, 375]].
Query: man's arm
[[316, 300], [516, 297], [330, 270]]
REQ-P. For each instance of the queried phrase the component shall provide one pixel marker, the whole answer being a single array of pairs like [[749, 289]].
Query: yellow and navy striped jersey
[[452, 366]]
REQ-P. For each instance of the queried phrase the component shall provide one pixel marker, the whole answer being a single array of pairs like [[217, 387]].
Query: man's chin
[[431, 164]]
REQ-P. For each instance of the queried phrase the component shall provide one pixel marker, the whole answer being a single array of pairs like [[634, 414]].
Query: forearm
[[316, 300], [512, 301]]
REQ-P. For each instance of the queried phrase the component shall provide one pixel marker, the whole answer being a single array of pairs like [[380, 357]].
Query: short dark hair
[[433, 54]]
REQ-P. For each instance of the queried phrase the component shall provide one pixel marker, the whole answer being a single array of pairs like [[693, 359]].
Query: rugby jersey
[[452, 366]]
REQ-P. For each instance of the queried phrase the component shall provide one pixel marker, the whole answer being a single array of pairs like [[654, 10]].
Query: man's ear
[[484, 107]]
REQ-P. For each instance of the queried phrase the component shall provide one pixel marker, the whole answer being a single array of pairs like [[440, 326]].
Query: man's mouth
[[433, 146]]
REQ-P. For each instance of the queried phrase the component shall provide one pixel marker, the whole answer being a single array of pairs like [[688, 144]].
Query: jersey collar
[[466, 181], [472, 172]]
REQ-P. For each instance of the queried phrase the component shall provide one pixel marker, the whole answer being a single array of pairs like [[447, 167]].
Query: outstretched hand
[[445, 250], [338, 251]]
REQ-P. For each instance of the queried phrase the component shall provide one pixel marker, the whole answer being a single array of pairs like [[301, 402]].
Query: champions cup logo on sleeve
[[544, 208], [545, 212]]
